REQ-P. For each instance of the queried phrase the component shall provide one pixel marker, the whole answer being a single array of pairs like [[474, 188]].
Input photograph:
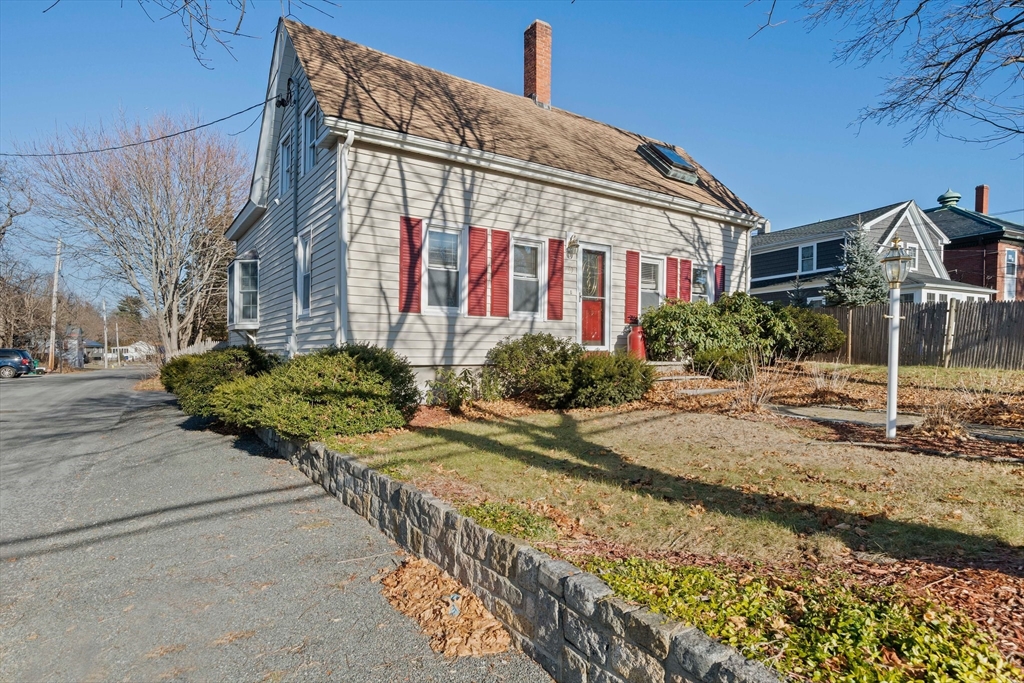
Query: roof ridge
[[881, 209]]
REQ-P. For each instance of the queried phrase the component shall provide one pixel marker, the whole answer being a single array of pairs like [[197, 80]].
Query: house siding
[[385, 186], [830, 254], [272, 237], [770, 263]]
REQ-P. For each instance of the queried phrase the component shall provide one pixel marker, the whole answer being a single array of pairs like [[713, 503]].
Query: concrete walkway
[[136, 547], [877, 418]]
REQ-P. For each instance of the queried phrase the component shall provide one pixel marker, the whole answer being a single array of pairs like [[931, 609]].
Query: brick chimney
[[537, 63], [981, 199]]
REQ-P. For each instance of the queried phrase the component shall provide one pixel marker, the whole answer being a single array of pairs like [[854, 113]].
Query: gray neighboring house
[[400, 206], [808, 253]]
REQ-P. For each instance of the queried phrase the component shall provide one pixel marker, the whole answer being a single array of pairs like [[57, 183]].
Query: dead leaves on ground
[[453, 617]]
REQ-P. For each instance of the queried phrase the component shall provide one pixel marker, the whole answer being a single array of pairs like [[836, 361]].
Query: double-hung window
[[526, 265], [310, 132], [304, 273], [285, 161], [807, 258], [650, 284], [444, 265], [701, 285], [913, 251], [931, 297], [1010, 276], [243, 293]]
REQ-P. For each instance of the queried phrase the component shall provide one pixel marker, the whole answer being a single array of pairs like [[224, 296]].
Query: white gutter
[[534, 171], [341, 326]]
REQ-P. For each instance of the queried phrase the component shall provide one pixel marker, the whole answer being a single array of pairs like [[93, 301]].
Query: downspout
[[342, 333], [293, 346]]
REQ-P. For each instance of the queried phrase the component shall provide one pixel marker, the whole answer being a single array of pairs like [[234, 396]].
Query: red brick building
[[983, 250]]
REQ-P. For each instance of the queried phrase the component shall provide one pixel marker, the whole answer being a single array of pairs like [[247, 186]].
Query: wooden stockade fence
[[973, 334]]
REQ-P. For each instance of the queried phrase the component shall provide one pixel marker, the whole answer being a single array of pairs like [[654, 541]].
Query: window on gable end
[[285, 162], [310, 135]]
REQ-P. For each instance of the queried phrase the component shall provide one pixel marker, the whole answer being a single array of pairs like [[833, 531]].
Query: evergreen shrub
[[193, 378], [813, 333]]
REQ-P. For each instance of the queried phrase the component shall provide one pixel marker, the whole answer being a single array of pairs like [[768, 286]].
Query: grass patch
[[815, 628], [511, 519], [710, 484]]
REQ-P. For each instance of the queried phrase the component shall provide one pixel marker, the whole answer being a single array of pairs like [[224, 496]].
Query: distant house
[[983, 250], [400, 206], [808, 253]]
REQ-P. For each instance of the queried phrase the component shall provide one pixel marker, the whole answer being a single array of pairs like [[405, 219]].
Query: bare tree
[[214, 22], [152, 215], [15, 197], [961, 59], [24, 303]]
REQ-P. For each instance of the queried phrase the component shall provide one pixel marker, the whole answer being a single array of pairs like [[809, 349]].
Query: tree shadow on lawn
[[896, 539]]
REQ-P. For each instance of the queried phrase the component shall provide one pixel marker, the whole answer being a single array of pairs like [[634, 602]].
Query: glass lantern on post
[[895, 265]]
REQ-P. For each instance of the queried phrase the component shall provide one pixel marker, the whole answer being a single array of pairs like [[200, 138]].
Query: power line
[[141, 142]]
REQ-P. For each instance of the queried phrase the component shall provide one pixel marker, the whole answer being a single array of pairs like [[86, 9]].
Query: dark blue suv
[[14, 362]]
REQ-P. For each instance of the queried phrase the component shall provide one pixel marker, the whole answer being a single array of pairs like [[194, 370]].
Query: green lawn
[[711, 484]]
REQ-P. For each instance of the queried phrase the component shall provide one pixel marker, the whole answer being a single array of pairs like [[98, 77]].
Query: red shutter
[[556, 266], [671, 284], [410, 252], [719, 281], [685, 273], [476, 294], [499, 273], [632, 285]]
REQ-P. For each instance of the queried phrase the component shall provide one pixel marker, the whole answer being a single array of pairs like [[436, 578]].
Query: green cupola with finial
[[949, 198]]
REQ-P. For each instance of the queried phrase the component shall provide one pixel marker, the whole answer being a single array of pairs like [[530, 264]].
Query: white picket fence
[[198, 347]]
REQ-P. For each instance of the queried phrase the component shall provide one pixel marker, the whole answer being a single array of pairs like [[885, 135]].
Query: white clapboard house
[[401, 206]]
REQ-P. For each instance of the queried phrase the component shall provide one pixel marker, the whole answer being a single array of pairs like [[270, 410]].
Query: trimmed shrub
[[762, 326], [676, 330], [723, 363], [333, 392], [517, 363], [392, 368], [193, 378], [813, 333], [593, 380]]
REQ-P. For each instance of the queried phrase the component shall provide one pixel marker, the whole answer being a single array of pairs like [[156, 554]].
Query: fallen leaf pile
[[453, 617]]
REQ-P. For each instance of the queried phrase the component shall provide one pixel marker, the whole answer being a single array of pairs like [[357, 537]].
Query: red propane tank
[[636, 343]]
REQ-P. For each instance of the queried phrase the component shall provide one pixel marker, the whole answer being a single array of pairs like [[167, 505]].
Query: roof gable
[[361, 85]]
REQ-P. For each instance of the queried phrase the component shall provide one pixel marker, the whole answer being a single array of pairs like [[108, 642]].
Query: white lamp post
[[895, 264]]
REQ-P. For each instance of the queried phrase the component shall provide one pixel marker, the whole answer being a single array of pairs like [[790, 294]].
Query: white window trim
[[916, 264], [303, 249], [286, 140], [303, 170], [662, 263], [800, 258], [463, 232], [542, 279], [609, 274], [236, 293], [710, 296], [816, 271], [1007, 280]]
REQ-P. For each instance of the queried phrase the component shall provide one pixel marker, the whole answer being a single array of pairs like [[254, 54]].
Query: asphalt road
[[135, 546]]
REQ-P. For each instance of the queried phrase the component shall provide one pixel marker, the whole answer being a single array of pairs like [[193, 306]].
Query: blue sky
[[770, 116]]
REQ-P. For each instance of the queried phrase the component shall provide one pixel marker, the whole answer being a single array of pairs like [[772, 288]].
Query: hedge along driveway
[[709, 484]]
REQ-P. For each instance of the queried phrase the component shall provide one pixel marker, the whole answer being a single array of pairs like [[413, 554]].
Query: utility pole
[[105, 334], [53, 307], [117, 342]]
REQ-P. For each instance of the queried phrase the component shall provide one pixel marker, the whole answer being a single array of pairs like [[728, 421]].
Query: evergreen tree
[[798, 295], [859, 280]]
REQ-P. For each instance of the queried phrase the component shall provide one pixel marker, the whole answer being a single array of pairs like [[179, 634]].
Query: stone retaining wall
[[565, 619]]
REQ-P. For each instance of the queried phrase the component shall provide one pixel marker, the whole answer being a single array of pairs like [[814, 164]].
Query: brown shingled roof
[[358, 84]]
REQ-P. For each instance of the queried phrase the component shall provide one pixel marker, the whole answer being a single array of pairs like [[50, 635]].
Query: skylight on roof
[[669, 162]]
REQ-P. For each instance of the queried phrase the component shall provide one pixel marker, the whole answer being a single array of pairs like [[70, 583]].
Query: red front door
[[594, 297]]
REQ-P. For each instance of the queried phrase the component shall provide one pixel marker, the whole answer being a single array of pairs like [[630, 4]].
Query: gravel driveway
[[136, 547]]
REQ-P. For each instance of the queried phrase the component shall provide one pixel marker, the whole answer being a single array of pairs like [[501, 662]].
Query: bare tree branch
[[153, 215], [960, 60], [15, 197]]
